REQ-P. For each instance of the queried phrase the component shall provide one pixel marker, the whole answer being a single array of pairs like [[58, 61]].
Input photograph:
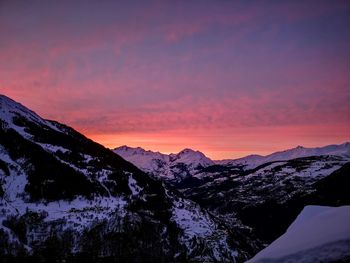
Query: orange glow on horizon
[[217, 145]]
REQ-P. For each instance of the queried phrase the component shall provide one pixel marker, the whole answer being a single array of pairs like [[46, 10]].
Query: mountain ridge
[[154, 162], [252, 161]]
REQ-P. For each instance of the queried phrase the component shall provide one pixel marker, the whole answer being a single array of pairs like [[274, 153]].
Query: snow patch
[[314, 227], [53, 148], [135, 189]]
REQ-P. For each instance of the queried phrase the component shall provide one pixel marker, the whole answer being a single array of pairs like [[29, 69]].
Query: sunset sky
[[228, 78]]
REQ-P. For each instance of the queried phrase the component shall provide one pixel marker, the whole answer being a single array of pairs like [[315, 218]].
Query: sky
[[228, 78]]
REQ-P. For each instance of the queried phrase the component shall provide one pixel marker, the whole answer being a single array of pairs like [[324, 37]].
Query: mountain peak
[[9, 104], [128, 148], [189, 151], [10, 109], [11, 112], [125, 150], [191, 157], [159, 163], [5, 98]]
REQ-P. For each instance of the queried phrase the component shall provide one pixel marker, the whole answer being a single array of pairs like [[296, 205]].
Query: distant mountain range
[[189, 162], [252, 161]]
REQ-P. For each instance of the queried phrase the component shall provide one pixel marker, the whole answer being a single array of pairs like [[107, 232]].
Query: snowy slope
[[146, 160], [319, 234], [173, 166], [11, 111], [61, 194], [252, 161]]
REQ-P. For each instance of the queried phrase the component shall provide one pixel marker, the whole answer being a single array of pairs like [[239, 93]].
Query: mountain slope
[[65, 197], [319, 234], [268, 198]]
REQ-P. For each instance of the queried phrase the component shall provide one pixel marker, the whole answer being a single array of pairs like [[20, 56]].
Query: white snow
[[78, 213], [314, 228], [14, 183], [135, 189], [191, 221], [197, 225], [146, 160], [53, 148], [316, 168]]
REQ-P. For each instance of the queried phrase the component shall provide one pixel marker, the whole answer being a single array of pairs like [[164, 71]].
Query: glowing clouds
[[224, 78]]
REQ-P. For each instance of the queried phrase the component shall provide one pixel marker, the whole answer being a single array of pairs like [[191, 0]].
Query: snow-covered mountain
[[319, 234], [252, 161], [64, 197], [189, 163], [175, 166]]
